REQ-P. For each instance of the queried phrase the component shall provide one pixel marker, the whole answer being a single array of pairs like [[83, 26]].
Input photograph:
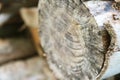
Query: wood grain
[[71, 39]]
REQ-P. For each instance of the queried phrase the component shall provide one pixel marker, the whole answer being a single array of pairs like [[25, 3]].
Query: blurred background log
[[18, 40], [14, 5], [15, 48], [29, 69]]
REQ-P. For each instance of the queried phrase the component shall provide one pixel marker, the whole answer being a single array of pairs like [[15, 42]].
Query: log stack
[[21, 54], [19, 44], [81, 38]]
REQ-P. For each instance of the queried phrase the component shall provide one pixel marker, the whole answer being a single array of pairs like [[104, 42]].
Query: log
[[117, 0], [15, 48], [30, 18], [110, 22], [70, 37], [80, 39], [34, 68], [12, 6]]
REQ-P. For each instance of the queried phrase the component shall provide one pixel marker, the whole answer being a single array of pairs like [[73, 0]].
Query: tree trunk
[[81, 39]]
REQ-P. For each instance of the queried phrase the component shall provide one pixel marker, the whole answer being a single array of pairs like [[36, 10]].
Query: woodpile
[[81, 38], [21, 55], [19, 42]]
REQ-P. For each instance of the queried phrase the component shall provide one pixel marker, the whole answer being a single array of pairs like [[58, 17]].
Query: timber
[[80, 38], [71, 39], [110, 23], [13, 6]]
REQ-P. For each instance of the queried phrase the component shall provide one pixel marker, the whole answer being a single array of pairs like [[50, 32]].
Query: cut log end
[[70, 37]]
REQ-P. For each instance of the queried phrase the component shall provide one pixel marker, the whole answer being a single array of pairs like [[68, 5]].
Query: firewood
[[15, 48], [80, 38], [12, 6], [30, 18], [34, 68]]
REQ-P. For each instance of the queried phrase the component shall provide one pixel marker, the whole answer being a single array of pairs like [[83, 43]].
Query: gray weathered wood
[[107, 18], [71, 39]]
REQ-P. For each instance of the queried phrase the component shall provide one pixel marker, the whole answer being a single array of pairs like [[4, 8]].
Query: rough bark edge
[[110, 51]]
